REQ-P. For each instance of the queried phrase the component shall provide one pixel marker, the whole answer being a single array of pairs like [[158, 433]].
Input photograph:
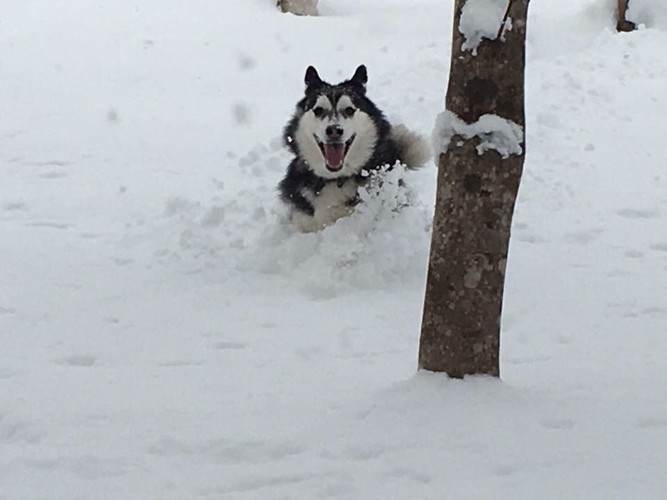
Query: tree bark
[[299, 7], [476, 194], [622, 24]]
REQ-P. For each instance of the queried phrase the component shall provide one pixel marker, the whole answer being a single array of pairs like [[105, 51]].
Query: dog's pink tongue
[[334, 152]]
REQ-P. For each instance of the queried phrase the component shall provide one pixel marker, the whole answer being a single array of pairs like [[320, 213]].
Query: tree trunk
[[299, 7], [622, 24], [475, 201]]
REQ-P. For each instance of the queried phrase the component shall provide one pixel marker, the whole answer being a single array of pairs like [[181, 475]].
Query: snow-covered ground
[[164, 335]]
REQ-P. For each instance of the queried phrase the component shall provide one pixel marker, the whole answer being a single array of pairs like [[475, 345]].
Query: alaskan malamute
[[338, 137]]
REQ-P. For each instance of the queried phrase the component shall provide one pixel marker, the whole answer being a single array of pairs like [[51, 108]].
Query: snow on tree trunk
[[481, 140], [299, 7], [622, 24]]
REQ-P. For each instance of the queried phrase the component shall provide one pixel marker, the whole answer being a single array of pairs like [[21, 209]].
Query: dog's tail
[[414, 149]]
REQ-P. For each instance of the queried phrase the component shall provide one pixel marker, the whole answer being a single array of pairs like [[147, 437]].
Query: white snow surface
[[494, 133], [482, 19], [166, 335], [648, 13]]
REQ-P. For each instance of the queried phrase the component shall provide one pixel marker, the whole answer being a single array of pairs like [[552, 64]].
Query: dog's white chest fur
[[330, 204]]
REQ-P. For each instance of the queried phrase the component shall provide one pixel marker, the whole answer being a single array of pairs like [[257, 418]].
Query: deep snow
[[165, 335]]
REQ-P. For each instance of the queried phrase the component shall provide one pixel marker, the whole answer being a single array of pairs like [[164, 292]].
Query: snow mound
[[649, 13], [495, 133], [383, 243]]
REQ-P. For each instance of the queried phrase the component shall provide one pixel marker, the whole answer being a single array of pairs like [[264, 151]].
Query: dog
[[339, 137]]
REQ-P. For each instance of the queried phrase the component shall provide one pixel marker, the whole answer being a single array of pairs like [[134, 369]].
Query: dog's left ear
[[360, 77]]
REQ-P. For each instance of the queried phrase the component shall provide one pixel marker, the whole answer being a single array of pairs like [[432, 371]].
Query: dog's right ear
[[312, 79], [360, 77]]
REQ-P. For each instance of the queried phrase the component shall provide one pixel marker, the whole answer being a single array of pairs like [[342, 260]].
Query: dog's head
[[336, 129]]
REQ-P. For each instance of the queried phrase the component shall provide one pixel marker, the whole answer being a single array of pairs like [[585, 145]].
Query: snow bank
[[482, 19], [495, 133], [384, 243], [650, 13]]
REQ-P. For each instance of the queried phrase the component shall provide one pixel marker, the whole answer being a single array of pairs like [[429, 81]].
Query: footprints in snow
[[557, 423], [523, 233], [14, 206], [87, 467], [48, 170], [14, 430], [54, 174], [85, 360], [272, 156], [659, 247], [6, 310], [50, 225], [583, 237], [638, 214], [234, 346], [6, 373], [653, 423], [647, 311], [227, 451], [78, 360], [231, 219], [48, 163]]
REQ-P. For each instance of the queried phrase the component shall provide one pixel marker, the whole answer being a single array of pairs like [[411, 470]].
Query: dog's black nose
[[334, 132]]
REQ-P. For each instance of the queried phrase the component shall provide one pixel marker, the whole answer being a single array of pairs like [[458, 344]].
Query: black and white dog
[[338, 137]]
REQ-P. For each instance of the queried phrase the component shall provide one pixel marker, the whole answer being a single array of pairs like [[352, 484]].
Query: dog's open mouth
[[334, 152]]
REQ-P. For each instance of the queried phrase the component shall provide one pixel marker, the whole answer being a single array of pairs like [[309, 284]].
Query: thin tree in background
[[622, 24], [299, 7], [476, 193]]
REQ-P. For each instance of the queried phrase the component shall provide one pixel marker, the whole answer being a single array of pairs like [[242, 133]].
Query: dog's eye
[[318, 111], [349, 111]]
